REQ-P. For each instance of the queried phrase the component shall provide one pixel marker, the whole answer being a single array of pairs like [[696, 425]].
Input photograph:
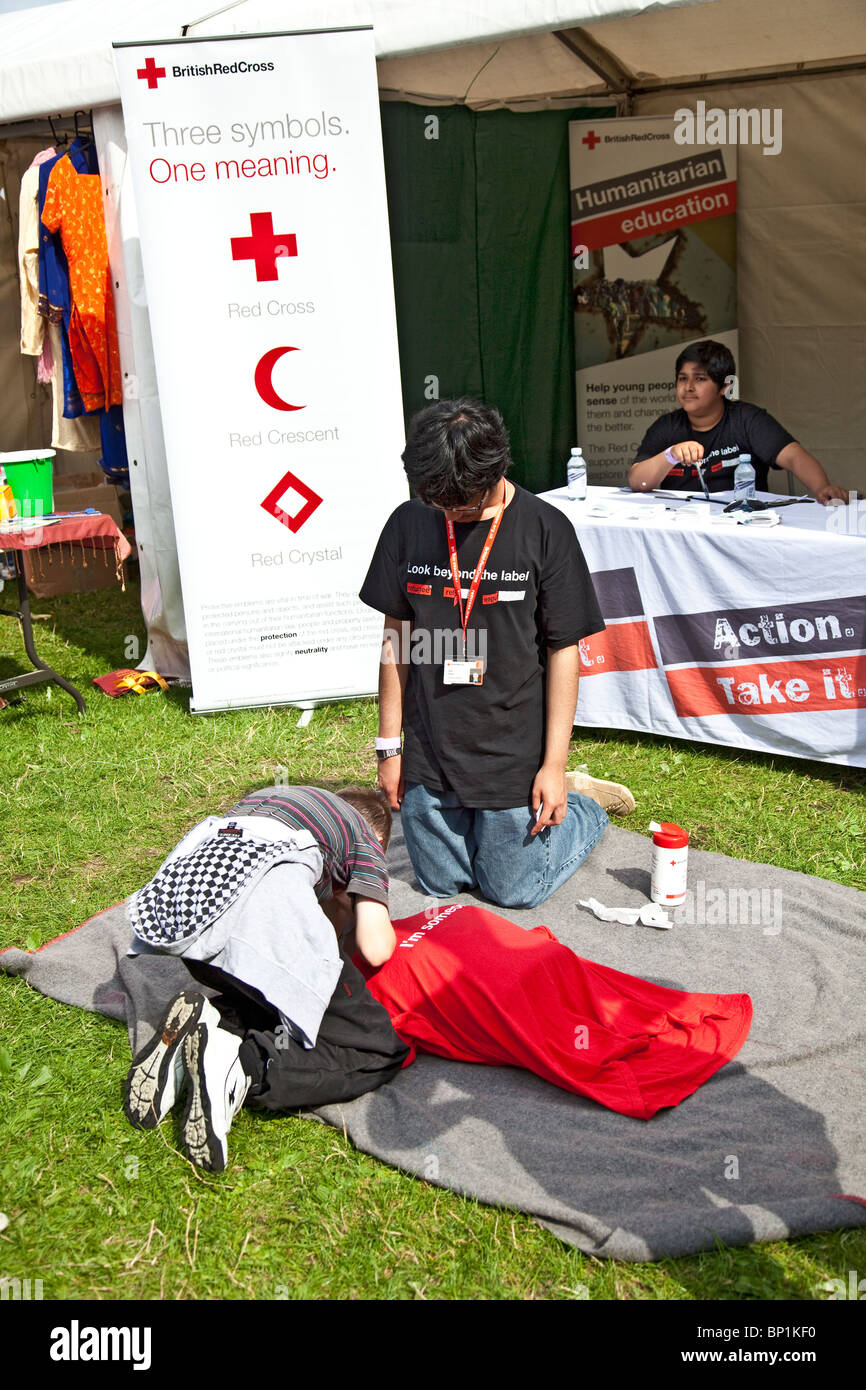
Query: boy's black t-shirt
[[743, 429], [486, 743]]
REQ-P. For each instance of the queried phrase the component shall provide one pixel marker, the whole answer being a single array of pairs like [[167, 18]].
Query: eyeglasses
[[463, 511]]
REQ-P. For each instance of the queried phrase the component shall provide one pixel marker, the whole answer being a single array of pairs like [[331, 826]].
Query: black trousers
[[356, 1049]]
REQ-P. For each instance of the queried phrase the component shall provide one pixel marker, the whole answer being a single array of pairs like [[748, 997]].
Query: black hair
[[716, 360], [371, 803], [455, 451]]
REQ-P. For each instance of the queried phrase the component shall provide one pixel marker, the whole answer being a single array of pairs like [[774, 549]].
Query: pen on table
[[46, 516]]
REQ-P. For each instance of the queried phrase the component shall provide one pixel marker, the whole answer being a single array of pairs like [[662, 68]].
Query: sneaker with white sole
[[216, 1085], [613, 797], [155, 1078]]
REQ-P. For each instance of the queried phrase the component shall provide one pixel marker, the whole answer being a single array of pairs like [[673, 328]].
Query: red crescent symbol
[[264, 379]]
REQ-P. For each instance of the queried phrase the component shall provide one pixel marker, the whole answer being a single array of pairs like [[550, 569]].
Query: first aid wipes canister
[[669, 863]]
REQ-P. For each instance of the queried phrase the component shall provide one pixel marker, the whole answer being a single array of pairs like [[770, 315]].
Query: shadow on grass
[[98, 624], [841, 777], [756, 1274]]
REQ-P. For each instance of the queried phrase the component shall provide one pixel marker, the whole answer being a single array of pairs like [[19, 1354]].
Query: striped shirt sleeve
[[352, 856]]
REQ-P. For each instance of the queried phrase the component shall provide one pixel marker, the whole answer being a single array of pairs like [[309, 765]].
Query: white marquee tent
[[802, 213]]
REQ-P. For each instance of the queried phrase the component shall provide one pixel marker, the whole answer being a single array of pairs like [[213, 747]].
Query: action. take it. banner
[[653, 242], [784, 675], [260, 194]]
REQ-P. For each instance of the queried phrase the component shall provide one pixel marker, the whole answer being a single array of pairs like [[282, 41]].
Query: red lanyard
[[455, 570]]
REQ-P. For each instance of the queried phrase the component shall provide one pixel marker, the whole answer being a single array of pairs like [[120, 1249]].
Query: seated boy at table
[[710, 427], [254, 903]]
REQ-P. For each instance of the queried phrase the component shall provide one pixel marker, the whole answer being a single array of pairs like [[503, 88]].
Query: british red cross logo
[[280, 499], [591, 139], [265, 246], [150, 73]]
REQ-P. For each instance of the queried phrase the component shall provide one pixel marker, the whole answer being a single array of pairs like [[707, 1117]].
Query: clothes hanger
[[59, 137], [84, 136]]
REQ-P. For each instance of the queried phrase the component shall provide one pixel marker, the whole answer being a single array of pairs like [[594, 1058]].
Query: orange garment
[[73, 206]]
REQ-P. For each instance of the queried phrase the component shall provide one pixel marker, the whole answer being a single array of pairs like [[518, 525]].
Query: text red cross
[[591, 139], [264, 246], [151, 74]]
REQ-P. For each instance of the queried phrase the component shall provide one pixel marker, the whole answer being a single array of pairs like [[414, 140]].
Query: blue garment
[[454, 847], [55, 300], [114, 462]]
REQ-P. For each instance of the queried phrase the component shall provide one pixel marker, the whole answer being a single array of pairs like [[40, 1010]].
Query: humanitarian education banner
[[653, 239], [260, 192]]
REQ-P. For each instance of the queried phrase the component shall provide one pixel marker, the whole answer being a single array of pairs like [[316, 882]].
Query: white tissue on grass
[[650, 914]]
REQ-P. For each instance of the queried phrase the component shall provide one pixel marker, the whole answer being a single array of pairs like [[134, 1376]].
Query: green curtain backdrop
[[480, 227]]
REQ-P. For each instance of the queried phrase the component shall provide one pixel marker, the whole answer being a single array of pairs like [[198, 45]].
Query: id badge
[[463, 673]]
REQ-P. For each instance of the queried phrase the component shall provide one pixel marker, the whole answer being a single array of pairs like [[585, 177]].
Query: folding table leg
[[42, 672]]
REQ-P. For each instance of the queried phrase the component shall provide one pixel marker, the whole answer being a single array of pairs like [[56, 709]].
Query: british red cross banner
[[653, 244], [259, 185]]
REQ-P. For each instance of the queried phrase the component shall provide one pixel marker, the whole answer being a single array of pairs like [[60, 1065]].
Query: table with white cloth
[[749, 635]]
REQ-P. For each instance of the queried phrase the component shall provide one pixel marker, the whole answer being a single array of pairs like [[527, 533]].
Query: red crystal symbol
[[280, 499]]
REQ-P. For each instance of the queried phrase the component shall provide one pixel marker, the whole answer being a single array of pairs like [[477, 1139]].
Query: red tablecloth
[[99, 529]]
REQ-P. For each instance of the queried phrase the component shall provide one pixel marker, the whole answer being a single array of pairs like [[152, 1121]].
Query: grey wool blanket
[[770, 1147]]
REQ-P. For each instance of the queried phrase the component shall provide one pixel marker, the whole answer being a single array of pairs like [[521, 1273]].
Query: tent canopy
[[802, 297], [58, 57]]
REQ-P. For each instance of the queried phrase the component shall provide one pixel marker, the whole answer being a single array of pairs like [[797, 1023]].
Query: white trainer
[[155, 1078], [216, 1086]]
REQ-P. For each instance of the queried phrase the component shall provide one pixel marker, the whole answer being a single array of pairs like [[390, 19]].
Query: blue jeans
[[453, 847]]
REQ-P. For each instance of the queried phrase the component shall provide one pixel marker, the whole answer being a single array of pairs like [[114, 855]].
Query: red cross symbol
[[151, 74], [289, 483], [264, 246], [591, 139]]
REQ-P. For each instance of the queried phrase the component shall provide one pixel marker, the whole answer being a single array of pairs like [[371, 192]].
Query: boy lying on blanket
[[252, 902], [462, 983]]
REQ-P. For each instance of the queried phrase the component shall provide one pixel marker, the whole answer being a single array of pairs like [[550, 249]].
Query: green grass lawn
[[88, 809]]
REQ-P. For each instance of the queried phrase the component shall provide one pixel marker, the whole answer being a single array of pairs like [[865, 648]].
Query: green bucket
[[30, 475]]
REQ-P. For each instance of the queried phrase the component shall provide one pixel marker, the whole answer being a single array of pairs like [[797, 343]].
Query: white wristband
[[383, 743], [671, 456]]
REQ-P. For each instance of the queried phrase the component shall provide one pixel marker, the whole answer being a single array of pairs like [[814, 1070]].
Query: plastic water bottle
[[576, 468], [744, 479]]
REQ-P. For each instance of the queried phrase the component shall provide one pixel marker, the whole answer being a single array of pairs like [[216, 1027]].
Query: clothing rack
[[58, 130]]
